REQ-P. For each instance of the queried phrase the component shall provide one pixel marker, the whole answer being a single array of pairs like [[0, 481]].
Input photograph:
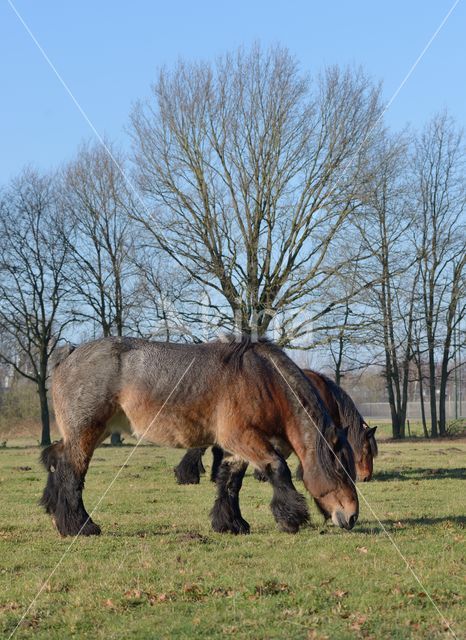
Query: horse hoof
[[90, 529], [184, 477], [237, 527], [288, 527], [241, 527]]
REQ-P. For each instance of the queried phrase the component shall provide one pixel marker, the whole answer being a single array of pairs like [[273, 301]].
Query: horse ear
[[370, 432]]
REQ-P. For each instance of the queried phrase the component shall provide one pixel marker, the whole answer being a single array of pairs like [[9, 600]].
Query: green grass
[[158, 571]]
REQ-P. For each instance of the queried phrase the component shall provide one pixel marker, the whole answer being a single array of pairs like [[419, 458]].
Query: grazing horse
[[342, 411], [249, 398]]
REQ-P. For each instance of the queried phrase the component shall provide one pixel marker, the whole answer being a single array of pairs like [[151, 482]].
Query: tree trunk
[[443, 388], [433, 399], [421, 398], [44, 414]]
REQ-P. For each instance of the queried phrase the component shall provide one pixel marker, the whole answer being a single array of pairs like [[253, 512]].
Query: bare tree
[[32, 283], [97, 200], [249, 171], [166, 300], [342, 332], [385, 234], [439, 183]]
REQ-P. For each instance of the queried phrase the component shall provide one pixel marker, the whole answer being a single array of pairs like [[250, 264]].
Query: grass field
[[158, 571]]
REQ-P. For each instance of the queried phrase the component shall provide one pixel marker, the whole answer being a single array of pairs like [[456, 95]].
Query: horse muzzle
[[343, 521]]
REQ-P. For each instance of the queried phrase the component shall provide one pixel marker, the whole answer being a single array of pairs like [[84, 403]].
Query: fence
[[381, 410]]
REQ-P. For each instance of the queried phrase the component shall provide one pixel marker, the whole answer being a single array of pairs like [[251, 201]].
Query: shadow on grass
[[407, 523], [458, 473]]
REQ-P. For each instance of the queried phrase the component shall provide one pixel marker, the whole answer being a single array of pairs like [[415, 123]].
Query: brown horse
[[342, 411], [249, 398]]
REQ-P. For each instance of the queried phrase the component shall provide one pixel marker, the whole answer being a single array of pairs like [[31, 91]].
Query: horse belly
[[171, 426], [172, 430]]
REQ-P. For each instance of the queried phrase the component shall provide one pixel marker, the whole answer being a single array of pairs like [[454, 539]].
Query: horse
[[249, 398], [342, 411]]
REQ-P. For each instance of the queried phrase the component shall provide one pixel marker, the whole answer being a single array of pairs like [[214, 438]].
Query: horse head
[[365, 452], [330, 479]]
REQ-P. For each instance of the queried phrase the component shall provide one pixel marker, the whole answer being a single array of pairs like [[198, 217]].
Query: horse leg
[[289, 507], [299, 472], [217, 457], [201, 467], [67, 464], [188, 470], [226, 514], [258, 475], [261, 477]]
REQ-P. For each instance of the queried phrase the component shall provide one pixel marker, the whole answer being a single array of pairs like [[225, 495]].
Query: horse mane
[[236, 347], [349, 414], [309, 398]]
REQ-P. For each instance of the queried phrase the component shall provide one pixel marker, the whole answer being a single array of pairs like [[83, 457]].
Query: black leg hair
[[299, 472], [70, 515], [288, 506], [62, 497], [188, 471], [217, 457], [226, 515], [260, 475]]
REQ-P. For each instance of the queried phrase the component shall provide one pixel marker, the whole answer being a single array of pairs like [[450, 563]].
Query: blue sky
[[108, 54]]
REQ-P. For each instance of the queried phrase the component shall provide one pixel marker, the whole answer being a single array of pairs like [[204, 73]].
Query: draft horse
[[232, 394], [344, 413], [342, 410]]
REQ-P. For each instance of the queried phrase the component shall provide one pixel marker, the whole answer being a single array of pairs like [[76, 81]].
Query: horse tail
[[61, 354], [50, 455], [50, 458]]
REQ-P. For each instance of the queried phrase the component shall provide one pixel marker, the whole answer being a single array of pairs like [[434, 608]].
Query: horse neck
[[323, 387], [305, 416], [348, 414]]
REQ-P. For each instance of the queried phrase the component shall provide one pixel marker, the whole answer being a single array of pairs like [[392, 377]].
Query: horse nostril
[[352, 521]]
